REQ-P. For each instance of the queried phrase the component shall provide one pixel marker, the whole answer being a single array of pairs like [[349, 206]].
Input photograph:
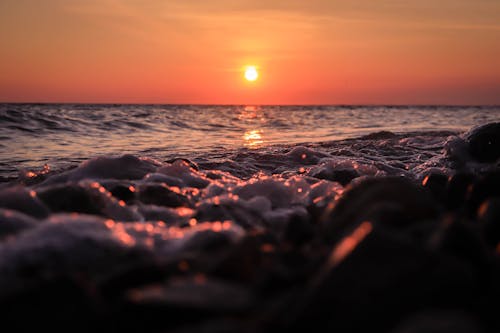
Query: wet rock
[[124, 167], [436, 183], [197, 292], [379, 277], [114, 284], [461, 240], [23, 200], [68, 244], [304, 155], [199, 239], [381, 135], [223, 209], [12, 222], [161, 178], [40, 300], [276, 191], [120, 190], [183, 171], [439, 321], [171, 216], [161, 195], [457, 189], [191, 164], [371, 198], [484, 142], [182, 302], [489, 218], [299, 229], [485, 187], [342, 176], [215, 326], [85, 198]]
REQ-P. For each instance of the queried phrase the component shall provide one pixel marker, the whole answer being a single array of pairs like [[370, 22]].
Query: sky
[[195, 51]]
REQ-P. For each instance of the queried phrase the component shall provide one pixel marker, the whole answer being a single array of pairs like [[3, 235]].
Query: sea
[[60, 136]]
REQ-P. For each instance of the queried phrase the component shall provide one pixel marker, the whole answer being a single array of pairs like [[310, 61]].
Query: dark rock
[[22, 200], [191, 164], [166, 214], [436, 183], [161, 195], [299, 229], [222, 210], [161, 178], [197, 292], [124, 167], [181, 302], [457, 189], [245, 262], [404, 203], [12, 222], [215, 326], [485, 187], [72, 198], [70, 245], [343, 176], [85, 198], [484, 142], [372, 278], [459, 239], [381, 135], [489, 217], [439, 321], [41, 300], [118, 280], [120, 190]]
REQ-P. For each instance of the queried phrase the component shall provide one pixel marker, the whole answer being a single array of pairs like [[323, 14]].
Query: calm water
[[59, 135]]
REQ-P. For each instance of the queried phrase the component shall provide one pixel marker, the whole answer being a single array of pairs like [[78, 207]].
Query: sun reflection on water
[[253, 138]]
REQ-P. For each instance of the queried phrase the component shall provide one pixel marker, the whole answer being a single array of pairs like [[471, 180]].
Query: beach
[[249, 218]]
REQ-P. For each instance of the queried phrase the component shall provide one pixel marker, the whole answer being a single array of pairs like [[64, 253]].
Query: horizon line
[[257, 104]]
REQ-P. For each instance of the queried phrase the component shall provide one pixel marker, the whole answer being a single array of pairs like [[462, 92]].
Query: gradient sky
[[307, 52]]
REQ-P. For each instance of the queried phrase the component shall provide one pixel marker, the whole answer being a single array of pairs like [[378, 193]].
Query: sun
[[251, 73]]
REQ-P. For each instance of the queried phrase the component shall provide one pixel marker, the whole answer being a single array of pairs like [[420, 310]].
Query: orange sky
[[194, 51]]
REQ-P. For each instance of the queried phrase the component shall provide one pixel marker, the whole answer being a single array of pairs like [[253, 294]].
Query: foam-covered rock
[[86, 198], [12, 222], [124, 167], [23, 200]]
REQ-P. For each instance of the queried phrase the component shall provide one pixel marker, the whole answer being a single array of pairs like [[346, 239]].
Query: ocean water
[[63, 135]]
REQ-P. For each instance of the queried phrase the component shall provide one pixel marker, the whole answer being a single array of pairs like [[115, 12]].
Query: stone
[[489, 218], [161, 195], [484, 142], [487, 186], [343, 176], [12, 222], [372, 278], [436, 183], [85, 198], [22, 200], [393, 201], [457, 189]]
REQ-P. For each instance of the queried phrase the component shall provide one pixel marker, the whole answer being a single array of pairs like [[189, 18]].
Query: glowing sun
[[251, 73]]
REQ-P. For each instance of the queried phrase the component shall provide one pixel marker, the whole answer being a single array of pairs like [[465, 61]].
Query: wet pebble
[[12, 222], [161, 195], [484, 142], [392, 201], [23, 200], [86, 198], [489, 218]]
